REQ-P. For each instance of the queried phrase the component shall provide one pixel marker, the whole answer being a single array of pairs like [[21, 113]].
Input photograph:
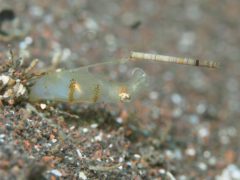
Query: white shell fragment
[[82, 176], [4, 79], [56, 172], [19, 89]]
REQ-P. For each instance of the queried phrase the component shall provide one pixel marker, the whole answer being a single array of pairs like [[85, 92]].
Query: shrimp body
[[80, 85]]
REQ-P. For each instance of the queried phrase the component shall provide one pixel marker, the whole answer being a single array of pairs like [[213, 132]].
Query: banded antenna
[[171, 59]]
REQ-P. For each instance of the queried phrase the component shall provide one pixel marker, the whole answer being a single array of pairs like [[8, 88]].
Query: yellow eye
[[123, 94]]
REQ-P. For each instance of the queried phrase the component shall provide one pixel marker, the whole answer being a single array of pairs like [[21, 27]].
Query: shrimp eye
[[124, 94]]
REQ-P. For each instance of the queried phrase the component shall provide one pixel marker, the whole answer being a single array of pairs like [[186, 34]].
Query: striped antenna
[[170, 59]]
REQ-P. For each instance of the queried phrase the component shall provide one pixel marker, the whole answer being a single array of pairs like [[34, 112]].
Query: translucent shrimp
[[80, 85]]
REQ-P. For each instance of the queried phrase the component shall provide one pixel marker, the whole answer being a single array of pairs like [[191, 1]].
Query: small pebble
[[202, 166], [37, 147], [79, 153], [203, 132], [207, 154], [137, 156], [72, 128], [182, 177], [129, 164], [121, 159], [54, 140], [4, 79], [98, 137], [94, 126], [56, 172], [109, 136], [36, 11], [201, 108], [153, 95], [91, 24], [2, 136], [82, 176], [120, 167], [190, 151], [19, 89], [177, 154], [193, 119], [230, 172], [43, 106], [119, 120], [169, 154], [110, 146], [212, 161], [85, 130], [176, 98], [111, 158], [162, 171]]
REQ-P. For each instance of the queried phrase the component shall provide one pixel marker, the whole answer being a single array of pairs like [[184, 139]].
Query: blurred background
[[189, 116]]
